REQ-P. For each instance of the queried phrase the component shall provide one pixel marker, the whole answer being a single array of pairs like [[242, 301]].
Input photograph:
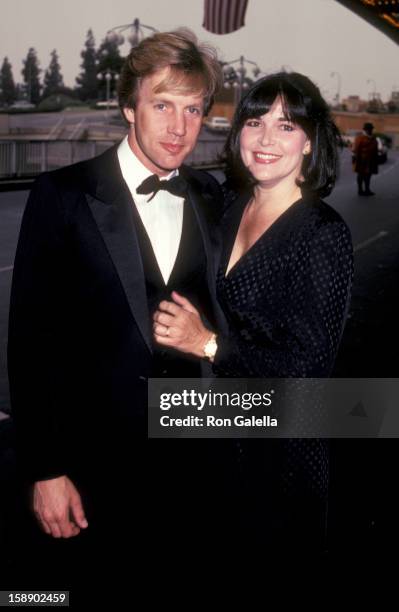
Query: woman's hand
[[178, 324]]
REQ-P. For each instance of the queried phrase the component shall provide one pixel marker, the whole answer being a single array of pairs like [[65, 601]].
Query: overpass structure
[[382, 14]]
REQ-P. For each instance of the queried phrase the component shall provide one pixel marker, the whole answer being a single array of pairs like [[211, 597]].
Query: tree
[[109, 60], [8, 89], [53, 81], [87, 80], [30, 73]]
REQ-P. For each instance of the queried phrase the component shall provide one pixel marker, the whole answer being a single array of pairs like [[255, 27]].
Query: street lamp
[[108, 76], [338, 94], [374, 87], [136, 33], [235, 77], [375, 104]]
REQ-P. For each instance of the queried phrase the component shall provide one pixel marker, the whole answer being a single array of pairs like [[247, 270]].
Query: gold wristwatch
[[210, 347]]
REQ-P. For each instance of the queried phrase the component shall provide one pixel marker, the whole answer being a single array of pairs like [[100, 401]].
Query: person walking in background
[[365, 159]]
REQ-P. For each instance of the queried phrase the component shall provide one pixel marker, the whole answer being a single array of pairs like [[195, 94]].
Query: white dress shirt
[[162, 217]]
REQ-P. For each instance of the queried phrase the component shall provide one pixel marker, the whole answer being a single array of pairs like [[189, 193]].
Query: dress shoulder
[[317, 216]]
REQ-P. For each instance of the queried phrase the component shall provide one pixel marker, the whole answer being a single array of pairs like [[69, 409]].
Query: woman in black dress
[[283, 283]]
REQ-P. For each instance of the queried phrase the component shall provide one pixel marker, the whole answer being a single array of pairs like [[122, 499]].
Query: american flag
[[224, 16]]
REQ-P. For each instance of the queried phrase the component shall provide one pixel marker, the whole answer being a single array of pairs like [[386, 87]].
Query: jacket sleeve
[[313, 313], [39, 352]]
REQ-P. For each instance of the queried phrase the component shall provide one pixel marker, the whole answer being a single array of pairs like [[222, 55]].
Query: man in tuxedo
[[102, 242]]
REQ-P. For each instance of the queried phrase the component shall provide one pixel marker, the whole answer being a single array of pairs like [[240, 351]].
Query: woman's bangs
[[263, 99]]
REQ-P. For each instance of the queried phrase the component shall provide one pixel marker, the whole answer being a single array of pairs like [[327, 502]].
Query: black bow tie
[[152, 184]]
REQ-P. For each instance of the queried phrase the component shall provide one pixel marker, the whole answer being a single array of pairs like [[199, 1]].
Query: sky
[[315, 37]]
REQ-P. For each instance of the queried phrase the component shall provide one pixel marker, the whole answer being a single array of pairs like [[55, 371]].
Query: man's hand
[[58, 507]]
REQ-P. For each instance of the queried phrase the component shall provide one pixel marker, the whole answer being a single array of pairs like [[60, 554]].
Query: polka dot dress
[[286, 301]]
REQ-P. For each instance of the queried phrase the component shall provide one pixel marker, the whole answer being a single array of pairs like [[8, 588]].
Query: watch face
[[210, 347]]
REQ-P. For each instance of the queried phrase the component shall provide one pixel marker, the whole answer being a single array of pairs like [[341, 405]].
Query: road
[[48, 121]]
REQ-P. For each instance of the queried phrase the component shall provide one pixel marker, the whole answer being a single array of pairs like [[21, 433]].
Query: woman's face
[[272, 148]]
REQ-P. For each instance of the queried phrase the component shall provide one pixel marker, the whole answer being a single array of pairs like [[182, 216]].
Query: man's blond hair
[[194, 67]]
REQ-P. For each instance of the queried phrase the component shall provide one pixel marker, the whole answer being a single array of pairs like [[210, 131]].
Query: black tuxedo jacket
[[80, 343]]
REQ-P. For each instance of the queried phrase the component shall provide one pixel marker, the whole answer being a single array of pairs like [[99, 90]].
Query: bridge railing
[[19, 159]]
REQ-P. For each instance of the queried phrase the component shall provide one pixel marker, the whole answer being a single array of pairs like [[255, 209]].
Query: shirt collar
[[133, 170]]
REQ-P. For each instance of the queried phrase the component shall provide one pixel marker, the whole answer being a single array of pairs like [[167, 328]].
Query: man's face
[[165, 126]]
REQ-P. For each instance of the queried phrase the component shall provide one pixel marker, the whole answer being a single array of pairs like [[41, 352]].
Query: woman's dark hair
[[304, 105]]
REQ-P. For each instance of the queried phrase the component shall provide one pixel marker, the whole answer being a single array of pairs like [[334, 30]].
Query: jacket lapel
[[111, 205], [204, 206]]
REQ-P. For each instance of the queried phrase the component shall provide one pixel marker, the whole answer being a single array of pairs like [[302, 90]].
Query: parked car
[[218, 124], [349, 137], [382, 150], [22, 105], [110, 104]]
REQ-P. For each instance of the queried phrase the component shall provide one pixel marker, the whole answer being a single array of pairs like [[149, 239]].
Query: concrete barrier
[[4, 124]]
